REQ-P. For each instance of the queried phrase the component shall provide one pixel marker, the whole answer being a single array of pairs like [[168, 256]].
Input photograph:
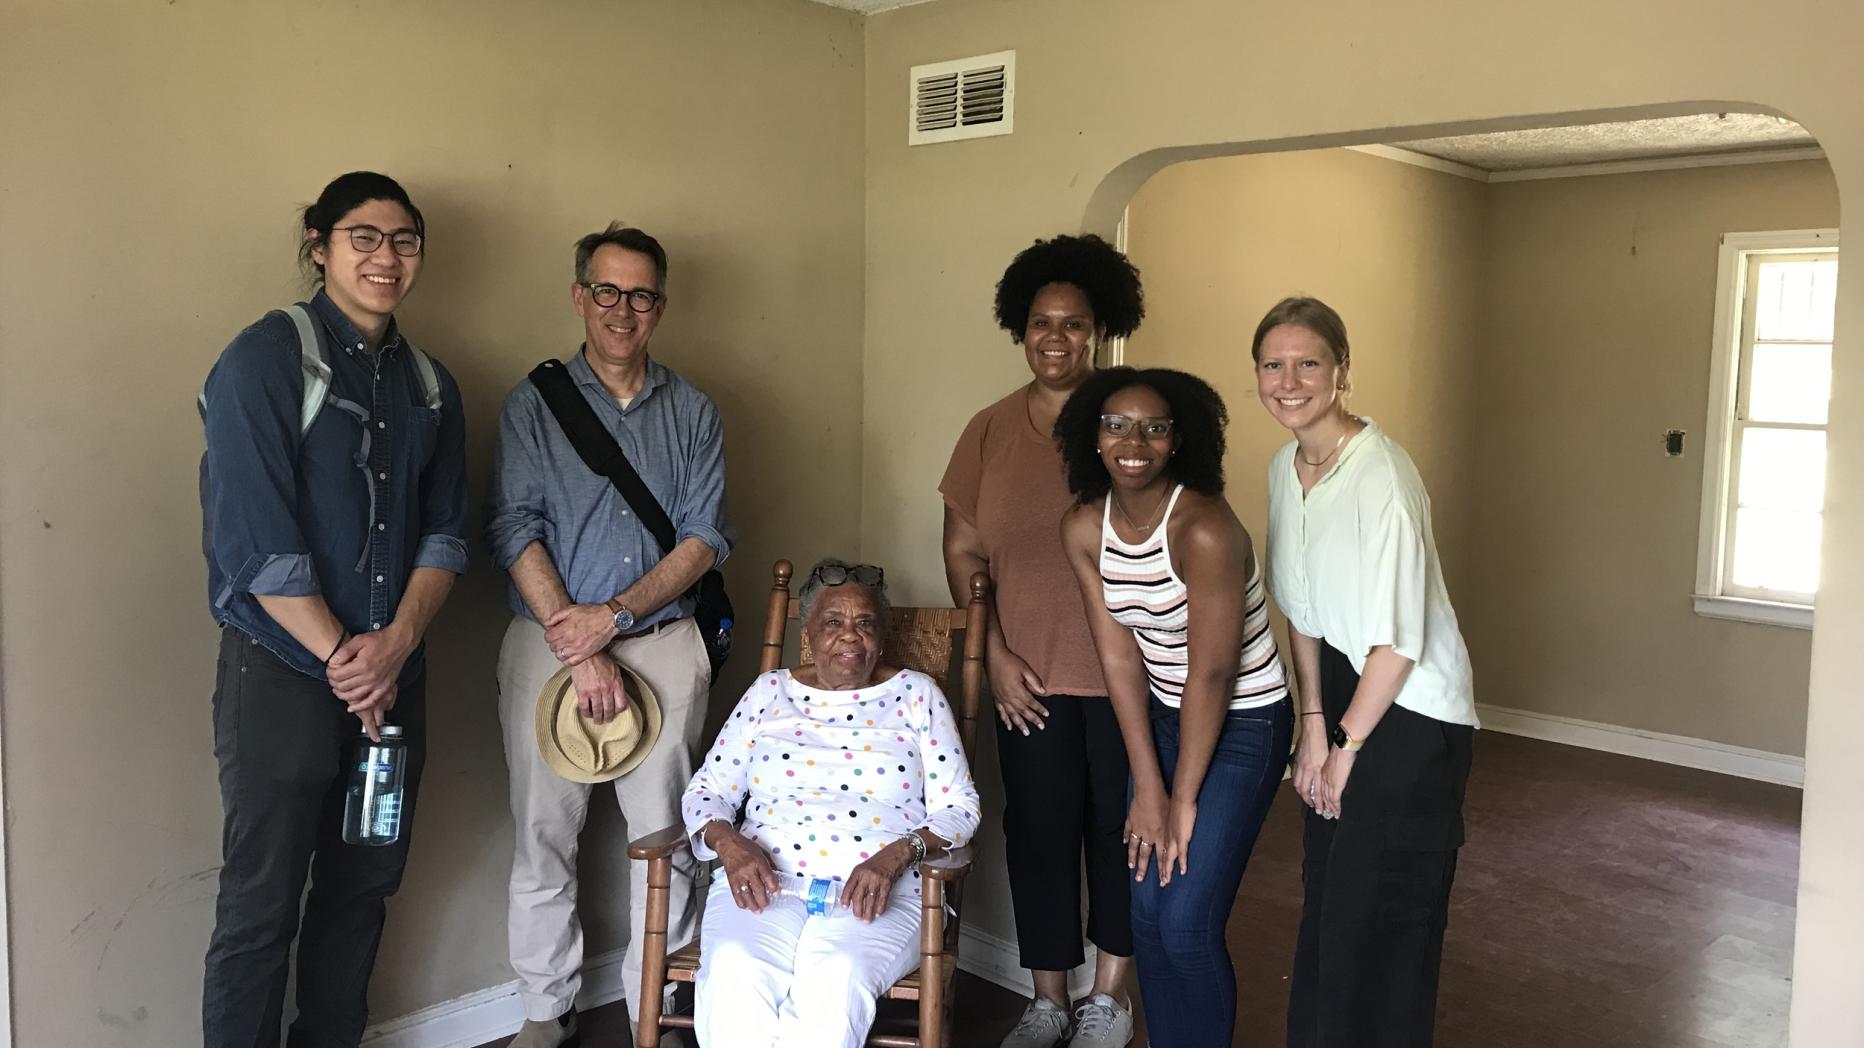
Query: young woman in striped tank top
[[1175, 600]]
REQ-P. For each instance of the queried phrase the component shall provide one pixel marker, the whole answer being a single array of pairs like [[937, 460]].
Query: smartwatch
[[624, 618], [1344, 741]]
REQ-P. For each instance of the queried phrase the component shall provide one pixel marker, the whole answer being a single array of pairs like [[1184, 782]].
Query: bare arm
[[1214, 556], [578, 631], [1013, 684], [308, 619], [1148, 824], [1311, 745]]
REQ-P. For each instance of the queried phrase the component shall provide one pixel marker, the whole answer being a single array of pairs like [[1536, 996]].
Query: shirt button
[[375, 625], [624, 512], [627, 560], [381, 527], [381, 425], [381, 476], [361, 346], [378, 578]]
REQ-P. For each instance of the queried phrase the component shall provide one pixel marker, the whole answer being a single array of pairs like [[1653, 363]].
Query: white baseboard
[[999, 961], [488, 1014], [1740, 761]]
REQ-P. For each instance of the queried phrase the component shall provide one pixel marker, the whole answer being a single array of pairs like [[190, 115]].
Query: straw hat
[[581, 750]]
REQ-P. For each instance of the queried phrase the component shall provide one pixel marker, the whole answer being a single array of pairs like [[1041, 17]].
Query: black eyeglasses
[[608, 296], [836, 574], [405, 242], [1149, 428]]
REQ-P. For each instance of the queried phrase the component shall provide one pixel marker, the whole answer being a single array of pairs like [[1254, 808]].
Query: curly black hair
[[1198, 420], [1109, 281]]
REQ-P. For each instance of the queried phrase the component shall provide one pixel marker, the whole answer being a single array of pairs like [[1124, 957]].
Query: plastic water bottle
[[821, 896], [722, 642], [372, 814]]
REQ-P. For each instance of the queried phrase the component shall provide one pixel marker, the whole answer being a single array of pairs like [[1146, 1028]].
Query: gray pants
[[548, 811]]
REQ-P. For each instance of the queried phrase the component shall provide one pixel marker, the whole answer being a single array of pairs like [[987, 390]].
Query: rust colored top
[[1005, 478]]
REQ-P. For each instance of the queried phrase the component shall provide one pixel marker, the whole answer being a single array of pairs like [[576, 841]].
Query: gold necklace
[[1147, 530], [1330, 454]]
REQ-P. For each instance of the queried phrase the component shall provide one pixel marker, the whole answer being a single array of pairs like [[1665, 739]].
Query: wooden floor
[[1601, 901]]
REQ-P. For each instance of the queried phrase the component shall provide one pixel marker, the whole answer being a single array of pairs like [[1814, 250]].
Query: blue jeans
[[1185, 975]]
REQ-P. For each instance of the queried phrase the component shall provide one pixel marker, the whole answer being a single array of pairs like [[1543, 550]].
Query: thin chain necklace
[[1147, 530], [1329, 455]]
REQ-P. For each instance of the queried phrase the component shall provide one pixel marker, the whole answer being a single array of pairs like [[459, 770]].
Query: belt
[[646, 630]]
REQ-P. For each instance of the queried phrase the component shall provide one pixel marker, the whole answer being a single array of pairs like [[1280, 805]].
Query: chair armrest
[[660, 844], [950, 866]]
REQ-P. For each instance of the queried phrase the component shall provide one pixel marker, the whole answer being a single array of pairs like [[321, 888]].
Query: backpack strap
[[316, 368], [424, 372]]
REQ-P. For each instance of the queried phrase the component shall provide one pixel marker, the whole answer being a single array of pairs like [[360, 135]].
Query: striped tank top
[[1145, 595]]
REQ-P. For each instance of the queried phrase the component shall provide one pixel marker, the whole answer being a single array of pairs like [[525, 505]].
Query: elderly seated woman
[[845, 773]]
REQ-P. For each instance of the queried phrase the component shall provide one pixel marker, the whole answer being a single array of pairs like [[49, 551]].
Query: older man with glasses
[[591, 589]]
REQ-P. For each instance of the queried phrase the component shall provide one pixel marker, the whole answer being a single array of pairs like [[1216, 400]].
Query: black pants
[[1378, 881], [1064, 792], [284, 743]]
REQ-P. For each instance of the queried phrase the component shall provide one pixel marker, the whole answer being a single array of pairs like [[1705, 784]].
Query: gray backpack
[[317, 370]]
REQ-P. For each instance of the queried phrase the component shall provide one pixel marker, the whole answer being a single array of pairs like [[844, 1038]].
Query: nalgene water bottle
[[372, 814]]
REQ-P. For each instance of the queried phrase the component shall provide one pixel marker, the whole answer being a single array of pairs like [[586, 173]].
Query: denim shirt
[[374, 489], [542, 491]]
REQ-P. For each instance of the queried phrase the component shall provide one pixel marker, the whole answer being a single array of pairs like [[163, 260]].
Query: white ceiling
[[1680, 136], [868, 7]]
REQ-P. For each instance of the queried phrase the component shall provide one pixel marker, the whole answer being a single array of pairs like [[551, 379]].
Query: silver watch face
[[624, 621]]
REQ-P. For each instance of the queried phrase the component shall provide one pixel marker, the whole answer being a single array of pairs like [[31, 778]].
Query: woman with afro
[[1058, 741], [1175, 599]]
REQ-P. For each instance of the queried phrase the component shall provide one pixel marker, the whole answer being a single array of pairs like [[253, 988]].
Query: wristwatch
[[1344, 741], [624, 619]]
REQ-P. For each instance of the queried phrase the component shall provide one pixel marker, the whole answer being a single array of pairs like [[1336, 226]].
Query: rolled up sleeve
[[701, 512], [515, 508], [443, 487], [254, 395]]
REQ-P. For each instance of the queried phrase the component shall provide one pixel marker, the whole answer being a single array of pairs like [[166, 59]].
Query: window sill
[[1764, 612]]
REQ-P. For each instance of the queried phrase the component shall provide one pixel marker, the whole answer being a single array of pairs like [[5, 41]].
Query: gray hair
[[812, 588], [627, 238]]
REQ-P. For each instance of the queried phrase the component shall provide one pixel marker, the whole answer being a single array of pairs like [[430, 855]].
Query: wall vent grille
[[964, 98]]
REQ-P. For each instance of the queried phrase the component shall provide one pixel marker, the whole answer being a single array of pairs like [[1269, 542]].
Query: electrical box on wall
[[963, 98]]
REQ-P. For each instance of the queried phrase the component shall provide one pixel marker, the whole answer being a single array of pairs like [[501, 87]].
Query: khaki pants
[[548, 811]]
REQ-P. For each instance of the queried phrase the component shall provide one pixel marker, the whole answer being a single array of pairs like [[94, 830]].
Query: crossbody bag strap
[[598, 449]]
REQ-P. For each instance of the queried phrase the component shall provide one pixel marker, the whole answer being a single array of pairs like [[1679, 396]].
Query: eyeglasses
[[608, 296], [835, 574], [405, 242], [1149, 428]]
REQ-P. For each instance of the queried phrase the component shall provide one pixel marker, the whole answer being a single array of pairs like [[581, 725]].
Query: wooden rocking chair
[[923, 639]]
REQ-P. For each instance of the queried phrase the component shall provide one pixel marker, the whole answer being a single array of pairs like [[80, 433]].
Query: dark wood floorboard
[[1601, 901]]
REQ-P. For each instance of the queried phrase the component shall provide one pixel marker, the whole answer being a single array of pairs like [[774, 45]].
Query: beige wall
[[150, 158], [1393, 247], [1109, 91], [1598, 305]]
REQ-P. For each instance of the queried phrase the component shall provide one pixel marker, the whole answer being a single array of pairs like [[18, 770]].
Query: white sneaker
[[1044, 1024], [1100, 1022]]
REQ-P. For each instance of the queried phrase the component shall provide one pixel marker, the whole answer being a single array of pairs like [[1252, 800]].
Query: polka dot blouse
[[827, 778]]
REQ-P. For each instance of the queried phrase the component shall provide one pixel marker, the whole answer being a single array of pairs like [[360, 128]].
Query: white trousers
[[548, 811], [784, 979]]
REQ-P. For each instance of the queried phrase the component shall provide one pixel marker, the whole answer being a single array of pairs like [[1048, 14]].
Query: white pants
[[784, 979], [548, 811]]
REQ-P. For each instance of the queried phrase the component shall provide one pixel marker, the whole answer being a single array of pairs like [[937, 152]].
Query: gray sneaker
[[1100, 1022], [1044, 1024]]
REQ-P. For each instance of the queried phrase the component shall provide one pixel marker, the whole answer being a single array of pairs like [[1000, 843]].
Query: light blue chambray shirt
[[543, 491]]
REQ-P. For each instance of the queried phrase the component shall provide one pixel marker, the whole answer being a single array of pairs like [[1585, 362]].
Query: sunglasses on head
[[836, 574]]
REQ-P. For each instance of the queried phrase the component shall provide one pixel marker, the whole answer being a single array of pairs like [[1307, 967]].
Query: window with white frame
[[1763, 491]]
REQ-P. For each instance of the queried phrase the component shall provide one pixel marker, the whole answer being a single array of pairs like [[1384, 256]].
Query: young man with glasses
[[591, 588]]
